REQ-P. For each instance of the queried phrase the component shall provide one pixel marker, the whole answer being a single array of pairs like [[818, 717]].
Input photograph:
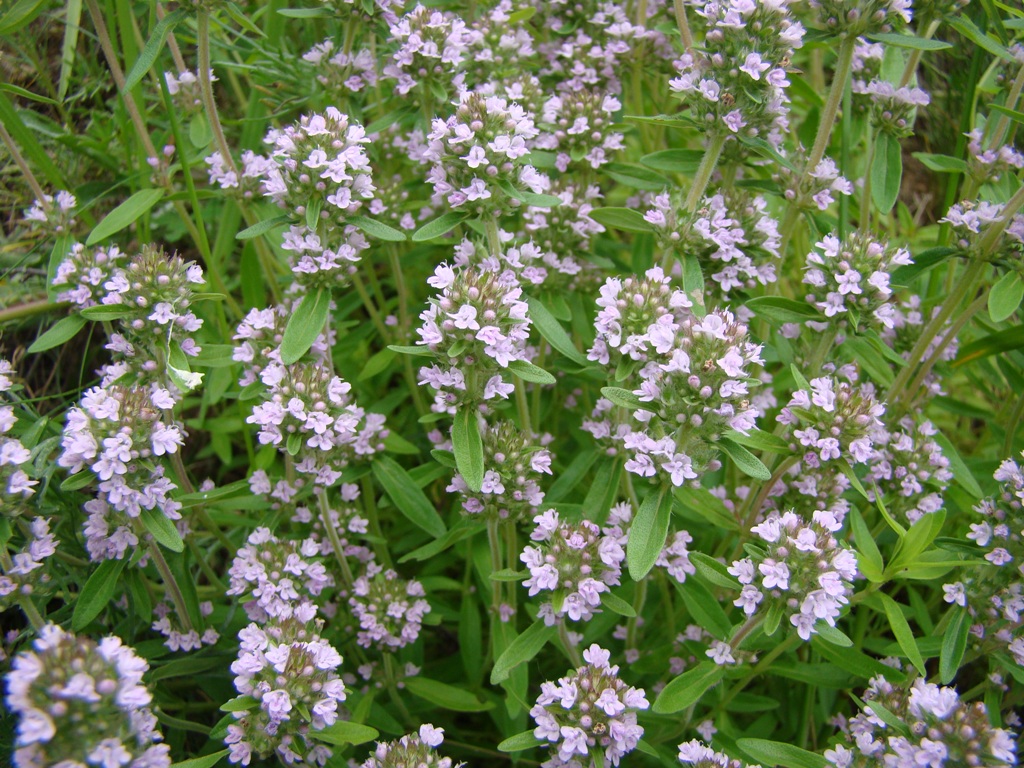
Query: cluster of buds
[[696, 390], [609, 426], [865, 67], [501, 48], [390, 610], [908, 467], [475, 329], [82, 275], [814, 189], [13, 454], [835, 420], [414, 749], [260, 334], [181, 638], [804, 489], [986, 165], [54, 213], [311, 414], [863, 17], [291, 675], [970, 221], [851, 278], [736, 236], [893, 109], [932, 727], [574, 562], [578, 127], [803, 571], [246, 184], [994, 595], [476, 154], [549, 271], [638, 318], [119, 434], [319, 169], [508, 491], [431, 48], [567, 228], [736, 82], [184, 89], [589, 712], [23, 578], [278, 574], [342, 71], [82, 703]]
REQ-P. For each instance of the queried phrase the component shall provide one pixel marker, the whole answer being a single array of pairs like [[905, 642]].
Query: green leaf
[[152, 49], [408, 496], [713, 572], [445, 696], [97, 592], [125, 214], [765, 149], [530, 372], [667, 121], [207, 761], [832, 635], [344, 732], [961, 473], [522, 15], [552, 331], [776, 753], [625, 219], [102, 312], [909, 41], [468, 447], [377, 229], [162, 529], [772, 620], [635, 176], [782, 310], [674, 160], [686, 689], [870, 560], [442, 225], [745, 461], [509, 574], [622, 397], [616, 604], [200, 133], [941, 163], [1005, 296], [760, 440], [864, 352], [418, 351], [519, 743], [305, 324], [261, 227], [521, 650], [969, 29], [954, 645], [798, 377], [63, 330], [855, 662], [693, 283], [20, 14], [77, 481], [305, 13], [72, 18], [886, 172], [704, 609], [901, 630], [648, 533]]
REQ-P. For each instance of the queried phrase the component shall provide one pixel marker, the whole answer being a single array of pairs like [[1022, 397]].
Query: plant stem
[[683, 24], [28, 309], [570, 648], [170, 583], [30, 178], [205, 76], [704, 171], [332, 535], [915, 55], [370, 507], [828, 115]]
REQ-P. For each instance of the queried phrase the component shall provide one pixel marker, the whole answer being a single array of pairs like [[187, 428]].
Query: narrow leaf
[[345, 732], [686, 689], [909, 41], [163, 530], [152, 49], [616, 604], [468, 447], [305, 325], [442, 225], [521, 650], [377, 229], [713, 572], [886, 172], [954, 645], [648, 532], [552, 331], [445, 696], [622, 397], [519, 743], [125, 214], [97, 592], [775, 753], [625, 219], [901, 630], [1005, 296], [63, 330], [745, 461], [530, 372], [261, 227], [408, 496], [207, 761]]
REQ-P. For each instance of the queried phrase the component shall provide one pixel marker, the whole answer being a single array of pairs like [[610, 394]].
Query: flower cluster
[[508, 491], [990, 164], [82, 703], [431, 48], [971, 220], [638, 317], [390, 610], [590, 710], [311, 414], [13, 453], [835, 420], [813, 189], [932, 727], [696, 390], [578, 127], [178, 637], [573, 561], [567, 228], [804, 489], [55, 213], [279, 574], [501, 48], [260, 334], [184, 90], [863, 17], [414, 749], [119, 434], [291, 675], [737, 80], [23, 578], [475, 154], [893, 109], [700, 755], [804, 572], [475, 329], [994, 595], [316, 263], [343, 71], [851, 278], [908, 467], [82, 275], [319, 169]]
